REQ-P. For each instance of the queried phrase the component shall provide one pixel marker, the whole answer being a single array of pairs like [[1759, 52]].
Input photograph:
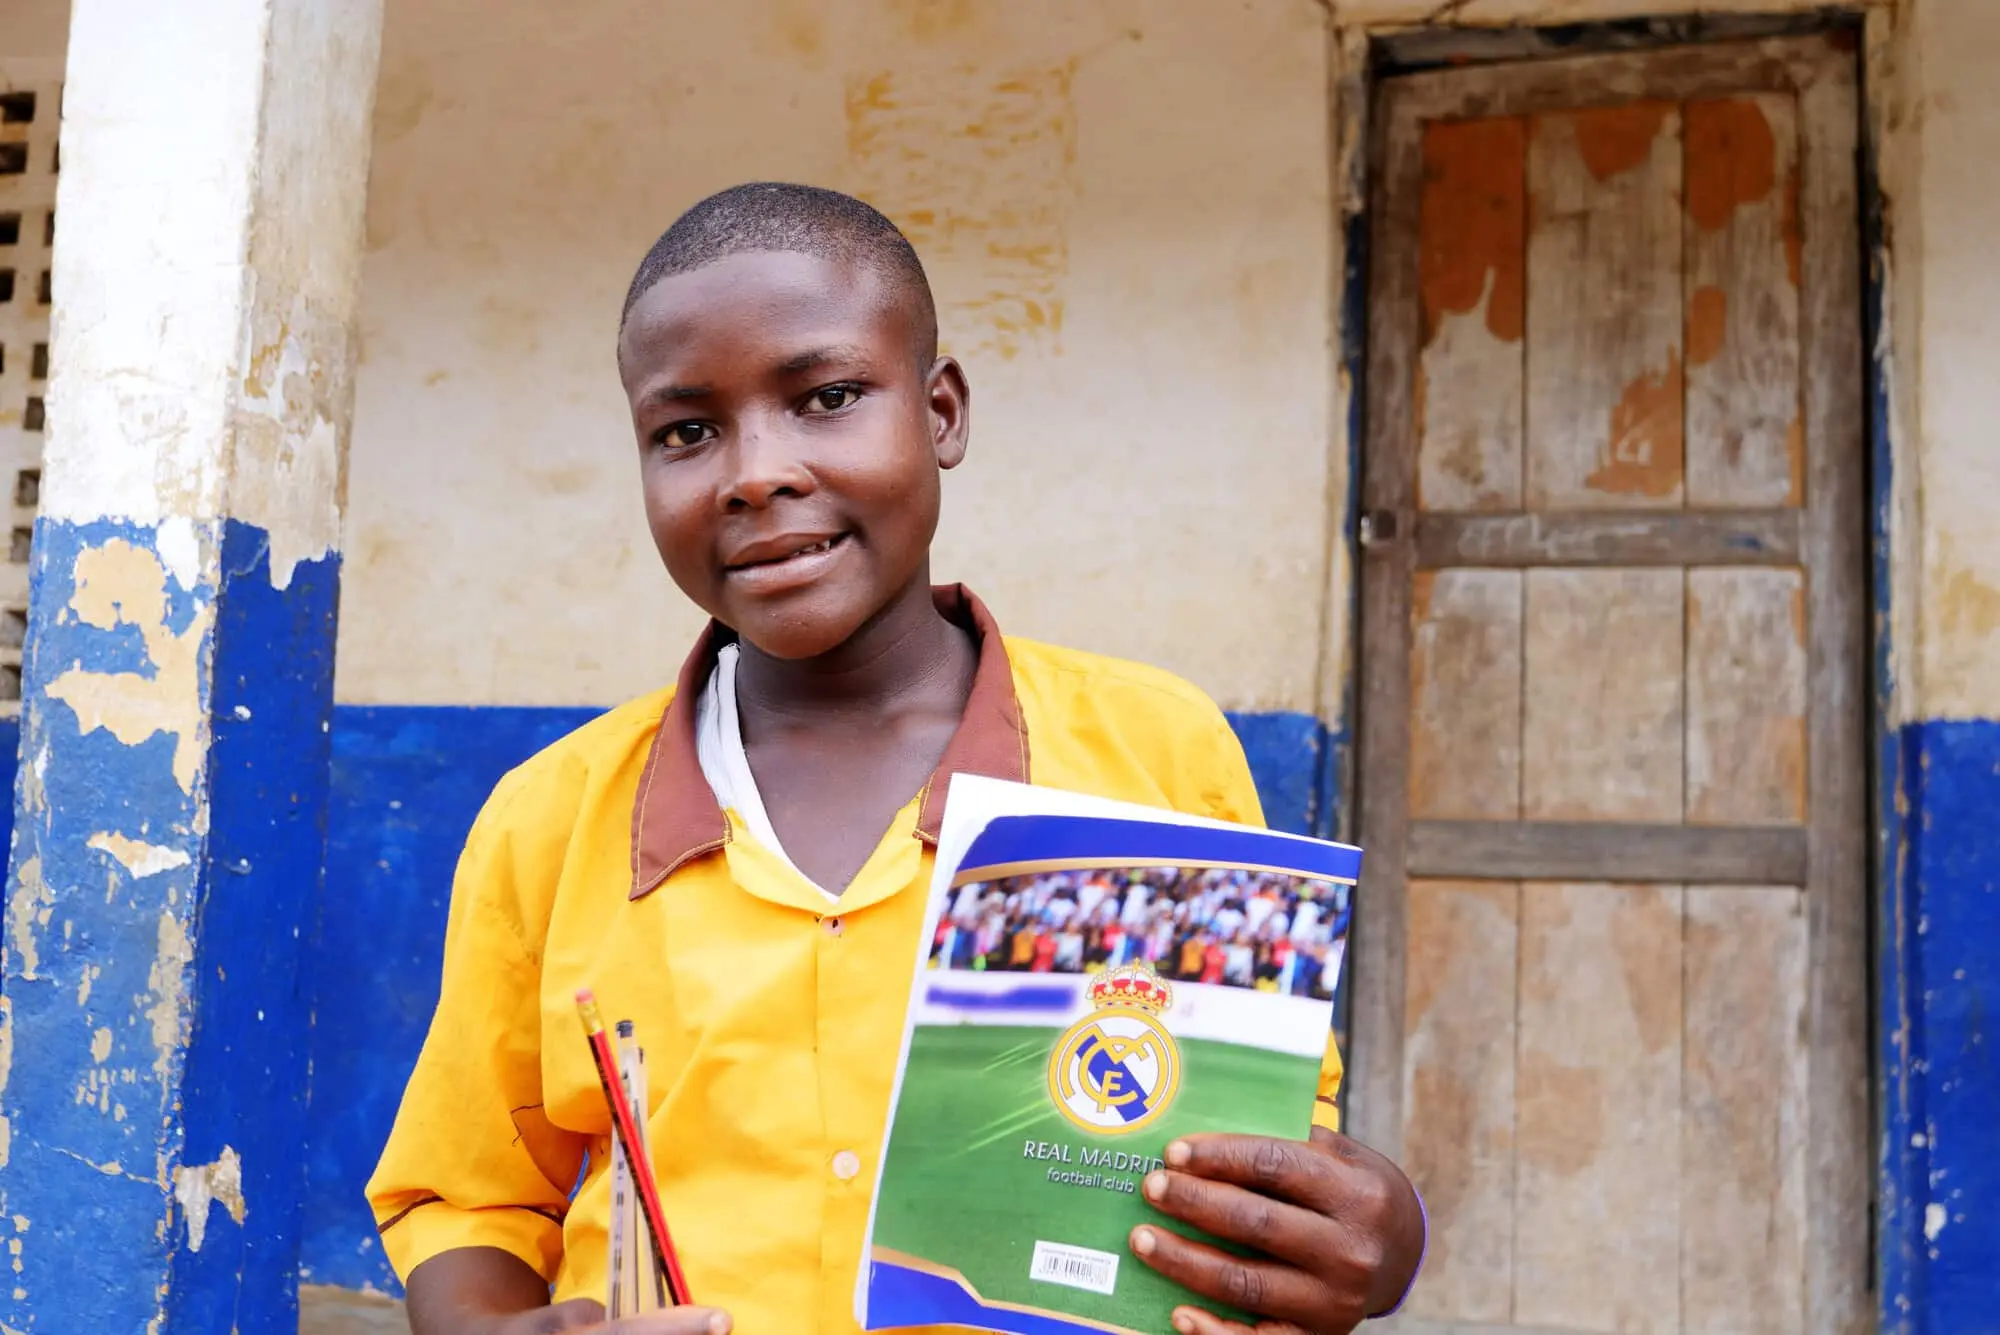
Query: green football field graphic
[[968, 1199]]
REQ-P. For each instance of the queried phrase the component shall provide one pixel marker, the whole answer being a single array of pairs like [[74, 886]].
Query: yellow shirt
[[770, 1016]]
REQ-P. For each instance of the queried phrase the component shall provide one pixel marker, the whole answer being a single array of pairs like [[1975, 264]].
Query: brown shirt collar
[[676, 818]]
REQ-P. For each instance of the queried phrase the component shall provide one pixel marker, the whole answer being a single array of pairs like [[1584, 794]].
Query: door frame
[[1856, 990]]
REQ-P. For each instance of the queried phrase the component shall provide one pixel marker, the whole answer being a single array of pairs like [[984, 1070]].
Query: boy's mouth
[[776, 554]]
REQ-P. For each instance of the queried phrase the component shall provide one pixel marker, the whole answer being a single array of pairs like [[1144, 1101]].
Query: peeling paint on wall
[[138, 857], [27, 913], [117, 585], [241, 258], [199, 1186], [168, 982], [6, 1073], [291, 420], [164, 1042], [177, 670]]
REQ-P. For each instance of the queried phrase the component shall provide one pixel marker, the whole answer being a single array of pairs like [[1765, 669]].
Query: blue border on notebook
[[899, 1296], [1009, 840]]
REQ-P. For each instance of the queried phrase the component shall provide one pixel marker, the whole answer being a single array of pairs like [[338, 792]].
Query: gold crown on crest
[[1133, 986]]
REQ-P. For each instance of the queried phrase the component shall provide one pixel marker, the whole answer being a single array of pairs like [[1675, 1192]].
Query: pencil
[[646, 1278], [622, 1225], [628, 1137]]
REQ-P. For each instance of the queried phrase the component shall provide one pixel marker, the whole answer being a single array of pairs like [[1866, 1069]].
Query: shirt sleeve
[[1233, 797], [471, 1160], [1326, 1110], [1228, 791]]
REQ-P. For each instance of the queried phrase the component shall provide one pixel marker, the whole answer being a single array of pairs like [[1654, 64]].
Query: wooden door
[[1611, 973]]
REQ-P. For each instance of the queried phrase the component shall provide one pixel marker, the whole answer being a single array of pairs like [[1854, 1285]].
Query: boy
[[740, 864]]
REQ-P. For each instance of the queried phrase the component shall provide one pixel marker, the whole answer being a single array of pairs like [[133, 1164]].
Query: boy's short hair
[[805, 219]]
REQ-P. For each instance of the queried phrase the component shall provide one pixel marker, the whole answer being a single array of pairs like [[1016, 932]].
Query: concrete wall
[[1138, 286], [1953, 123], [177, 678], [1940, 919], [1134, 233]]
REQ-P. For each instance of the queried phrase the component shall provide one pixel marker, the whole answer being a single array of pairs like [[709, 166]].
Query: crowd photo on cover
[[1264, 930]]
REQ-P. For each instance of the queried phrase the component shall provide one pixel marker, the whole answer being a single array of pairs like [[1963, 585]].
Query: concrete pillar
[[178, 673]]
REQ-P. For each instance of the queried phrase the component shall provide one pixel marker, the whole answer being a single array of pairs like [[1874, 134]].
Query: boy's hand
[[486, 1291], [585, 1315], [1338, 1226]]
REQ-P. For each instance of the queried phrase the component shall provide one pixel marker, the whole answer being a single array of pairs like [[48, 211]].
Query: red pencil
[[628, 1137]]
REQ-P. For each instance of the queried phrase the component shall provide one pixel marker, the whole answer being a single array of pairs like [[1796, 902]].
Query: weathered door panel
[[1610, 968]]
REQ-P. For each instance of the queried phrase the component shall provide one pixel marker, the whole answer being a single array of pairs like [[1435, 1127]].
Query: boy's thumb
[[576, 1314], [677, 1321]]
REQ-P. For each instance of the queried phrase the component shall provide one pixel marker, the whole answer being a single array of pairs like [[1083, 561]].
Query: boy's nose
[[766, 463]]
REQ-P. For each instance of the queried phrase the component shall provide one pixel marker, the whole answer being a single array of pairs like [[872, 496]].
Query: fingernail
[[1178, 1154], [1183, 1321], [1155, 1186], [718, 1324], [1143, 1241]]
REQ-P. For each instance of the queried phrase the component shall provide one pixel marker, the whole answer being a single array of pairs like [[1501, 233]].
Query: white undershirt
[[718, 745]]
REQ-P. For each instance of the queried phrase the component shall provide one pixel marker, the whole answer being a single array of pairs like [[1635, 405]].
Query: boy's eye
[[832, 399], [682, 435]]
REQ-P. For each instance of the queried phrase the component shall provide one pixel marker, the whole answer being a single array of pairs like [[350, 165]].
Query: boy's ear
[[951, 411]]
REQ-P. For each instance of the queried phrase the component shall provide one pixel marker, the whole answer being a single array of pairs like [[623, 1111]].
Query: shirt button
[[846, 1164], [835, 926]]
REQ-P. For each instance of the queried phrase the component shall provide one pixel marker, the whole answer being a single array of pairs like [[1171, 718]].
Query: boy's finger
[[1264, 1288], [673, 1321], [1292, 1170], [576, 1314], [1194, 1321], [1236, 1214]]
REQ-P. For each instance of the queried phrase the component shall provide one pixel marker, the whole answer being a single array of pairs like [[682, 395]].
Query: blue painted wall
[[270, 695], [1940, 965], [408, 781], [112, 940], [127, 1053]]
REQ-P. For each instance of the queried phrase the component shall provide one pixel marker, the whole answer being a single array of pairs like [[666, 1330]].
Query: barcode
[[1074, 1267]]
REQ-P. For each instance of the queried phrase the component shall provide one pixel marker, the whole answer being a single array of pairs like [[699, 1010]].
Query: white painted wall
[[1952, 123], [1151, 478], [1153, 377]]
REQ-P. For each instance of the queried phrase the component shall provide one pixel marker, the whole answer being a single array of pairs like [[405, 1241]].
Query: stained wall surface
[[1132, 216], [1137, 286]]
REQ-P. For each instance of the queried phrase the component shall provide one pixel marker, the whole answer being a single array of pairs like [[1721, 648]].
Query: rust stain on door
[[1732, 159], [1643, 454], [1474, 223], [1707, 324], [1614, 140]]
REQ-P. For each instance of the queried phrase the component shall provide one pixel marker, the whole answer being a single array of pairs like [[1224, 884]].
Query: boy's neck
[[909, 654]]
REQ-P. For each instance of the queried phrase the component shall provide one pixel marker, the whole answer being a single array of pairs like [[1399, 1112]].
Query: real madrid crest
[[1117, 1068]]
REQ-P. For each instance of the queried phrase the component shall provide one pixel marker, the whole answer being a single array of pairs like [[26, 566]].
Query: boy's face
[[789, 443]]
